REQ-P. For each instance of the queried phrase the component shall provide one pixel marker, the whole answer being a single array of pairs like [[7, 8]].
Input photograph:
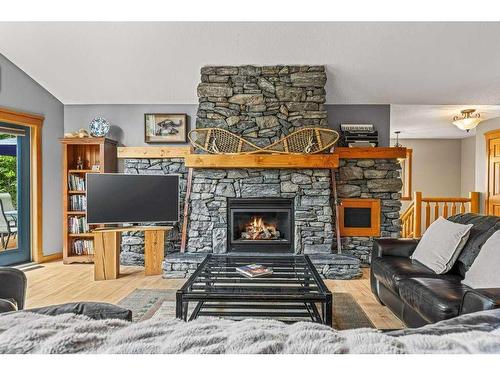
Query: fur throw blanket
[[25, 332]]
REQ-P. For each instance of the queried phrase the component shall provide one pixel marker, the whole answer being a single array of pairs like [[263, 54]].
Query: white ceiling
[[434, 121], [368, 63]]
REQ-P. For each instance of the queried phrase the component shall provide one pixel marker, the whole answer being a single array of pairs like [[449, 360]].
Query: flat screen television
[[122, 198]]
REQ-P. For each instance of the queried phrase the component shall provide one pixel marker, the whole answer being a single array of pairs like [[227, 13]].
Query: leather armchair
[[12, 289], [7, 305], [480, 299], [13, 294]]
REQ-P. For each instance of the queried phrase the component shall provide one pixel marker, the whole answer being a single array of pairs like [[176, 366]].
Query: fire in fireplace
[[260, 225], [257, 229]]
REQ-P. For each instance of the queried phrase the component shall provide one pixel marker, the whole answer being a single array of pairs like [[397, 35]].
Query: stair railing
[[423, 211], [407, 221]]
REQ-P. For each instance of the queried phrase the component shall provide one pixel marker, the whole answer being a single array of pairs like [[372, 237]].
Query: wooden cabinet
[[81, 156]]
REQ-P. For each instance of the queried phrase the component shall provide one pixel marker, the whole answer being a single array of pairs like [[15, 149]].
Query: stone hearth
[[329, 266]]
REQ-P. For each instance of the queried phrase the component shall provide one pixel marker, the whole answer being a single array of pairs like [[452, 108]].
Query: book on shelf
[[78, 203], [254, 270], [77, 225], [83, 247], [76, 183]]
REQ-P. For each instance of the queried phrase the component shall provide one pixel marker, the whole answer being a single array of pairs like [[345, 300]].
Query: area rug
[[149, 303]]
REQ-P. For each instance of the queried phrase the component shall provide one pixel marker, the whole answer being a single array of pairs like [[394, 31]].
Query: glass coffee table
[[293, 292]]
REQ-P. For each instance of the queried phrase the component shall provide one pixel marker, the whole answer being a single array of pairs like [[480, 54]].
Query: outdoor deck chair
[[8, 227]]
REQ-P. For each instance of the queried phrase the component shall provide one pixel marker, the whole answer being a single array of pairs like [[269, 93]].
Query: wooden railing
[[407, 220], [424, 210]]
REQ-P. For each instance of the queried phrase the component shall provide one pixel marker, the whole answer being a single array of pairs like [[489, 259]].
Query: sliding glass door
[[14, 194]]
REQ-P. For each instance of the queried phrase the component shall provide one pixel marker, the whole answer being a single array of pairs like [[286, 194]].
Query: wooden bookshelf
[[80, 235], [80, 171], [93, 151]]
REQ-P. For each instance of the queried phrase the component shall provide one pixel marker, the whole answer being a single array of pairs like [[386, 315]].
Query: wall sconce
[[397, 144]]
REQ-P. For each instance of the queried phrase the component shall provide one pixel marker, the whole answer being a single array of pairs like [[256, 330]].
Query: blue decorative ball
[[99, 127]]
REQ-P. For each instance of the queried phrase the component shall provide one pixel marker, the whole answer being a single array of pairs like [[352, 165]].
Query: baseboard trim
[[50, 258]]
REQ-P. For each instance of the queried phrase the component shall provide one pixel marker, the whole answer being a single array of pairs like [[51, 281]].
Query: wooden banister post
[[474, 202], [417, 215]]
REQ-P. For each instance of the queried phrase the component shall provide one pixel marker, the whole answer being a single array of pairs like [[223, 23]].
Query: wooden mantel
[[153, 152], [320, 161], [371, 152]]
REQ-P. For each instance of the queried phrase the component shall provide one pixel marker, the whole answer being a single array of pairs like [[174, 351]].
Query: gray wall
[[468, 165], [128, 120], [378, 115], [436, 167], [18, 91]]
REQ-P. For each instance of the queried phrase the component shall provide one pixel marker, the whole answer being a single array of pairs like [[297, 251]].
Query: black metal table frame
[[292, 298]]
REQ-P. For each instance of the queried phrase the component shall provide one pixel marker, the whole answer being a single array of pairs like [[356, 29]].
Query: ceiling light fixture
[[467, 120]]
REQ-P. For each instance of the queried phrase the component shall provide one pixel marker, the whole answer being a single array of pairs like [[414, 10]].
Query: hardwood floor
[[380, 315], [57, 283]]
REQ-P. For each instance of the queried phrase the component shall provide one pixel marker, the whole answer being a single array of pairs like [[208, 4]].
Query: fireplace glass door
[[260, 225]]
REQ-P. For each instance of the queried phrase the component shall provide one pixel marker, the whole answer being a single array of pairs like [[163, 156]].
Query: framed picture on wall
[[165, 128]]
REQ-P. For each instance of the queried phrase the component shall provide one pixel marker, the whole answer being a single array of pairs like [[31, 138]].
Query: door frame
[[35, 123], [488, 136]]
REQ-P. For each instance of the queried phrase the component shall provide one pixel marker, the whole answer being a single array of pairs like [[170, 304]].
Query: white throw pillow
[[441, 245], [484, 271]]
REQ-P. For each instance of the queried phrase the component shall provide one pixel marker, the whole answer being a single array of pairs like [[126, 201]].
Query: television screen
[[120, 198]]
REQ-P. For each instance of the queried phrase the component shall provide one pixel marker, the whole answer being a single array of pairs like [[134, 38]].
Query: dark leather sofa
[[415, 293]]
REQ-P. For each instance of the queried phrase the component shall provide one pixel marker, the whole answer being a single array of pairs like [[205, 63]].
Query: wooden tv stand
[[107, 243]]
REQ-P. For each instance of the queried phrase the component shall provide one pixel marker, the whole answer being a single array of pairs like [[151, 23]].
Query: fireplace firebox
[[260, 225]]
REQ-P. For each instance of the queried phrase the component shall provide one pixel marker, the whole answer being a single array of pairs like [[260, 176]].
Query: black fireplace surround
[[264, 225]]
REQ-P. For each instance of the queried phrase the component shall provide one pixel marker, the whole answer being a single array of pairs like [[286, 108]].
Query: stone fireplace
[[308, 191], [261, 104], [263, 225], [274, 210]]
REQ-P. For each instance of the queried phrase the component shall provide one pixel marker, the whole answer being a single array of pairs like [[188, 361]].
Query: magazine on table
[[254, 270]]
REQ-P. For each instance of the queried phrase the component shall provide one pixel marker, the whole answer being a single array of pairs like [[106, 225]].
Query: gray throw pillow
[[483, 273], [441, 244], [94, 310]]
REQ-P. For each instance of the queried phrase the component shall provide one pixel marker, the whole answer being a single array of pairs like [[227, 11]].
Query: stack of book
[[254, 270], [76, 183], [77, 225], [83, 247], [78, 203]]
